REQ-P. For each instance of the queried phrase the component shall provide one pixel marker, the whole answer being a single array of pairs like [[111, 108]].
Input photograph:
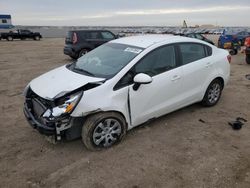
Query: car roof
[[145, 41], [89, 30]]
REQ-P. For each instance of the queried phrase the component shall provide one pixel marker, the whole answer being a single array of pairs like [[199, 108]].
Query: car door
[[24, 34], [94, 38], [197, 66], [162, 94]]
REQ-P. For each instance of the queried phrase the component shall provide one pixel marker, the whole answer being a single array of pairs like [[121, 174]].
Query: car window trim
[[107, 32], [177, 60], [180, 54], [176, 54]]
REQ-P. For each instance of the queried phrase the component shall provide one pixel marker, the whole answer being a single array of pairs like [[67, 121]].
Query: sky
[[127, 12]]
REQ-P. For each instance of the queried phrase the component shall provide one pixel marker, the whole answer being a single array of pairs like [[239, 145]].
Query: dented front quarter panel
[[103, 99]]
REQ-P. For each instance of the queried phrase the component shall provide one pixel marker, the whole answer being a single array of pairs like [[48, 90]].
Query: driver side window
[[154, 63]]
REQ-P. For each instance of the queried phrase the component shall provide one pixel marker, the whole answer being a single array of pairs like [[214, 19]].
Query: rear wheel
[[213, 93], [37, 38], [103, 130], [10, 38]]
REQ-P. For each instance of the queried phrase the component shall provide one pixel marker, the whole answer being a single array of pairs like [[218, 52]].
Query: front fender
[[103, 99]]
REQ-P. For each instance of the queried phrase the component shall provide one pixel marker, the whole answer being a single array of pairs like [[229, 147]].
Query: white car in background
[[123, 84]]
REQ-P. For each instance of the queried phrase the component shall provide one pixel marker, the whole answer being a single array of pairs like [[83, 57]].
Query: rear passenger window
[[192, 52], [107, 35], [94, 35]]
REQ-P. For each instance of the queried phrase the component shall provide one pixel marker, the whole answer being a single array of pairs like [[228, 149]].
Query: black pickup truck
[[20, 34]]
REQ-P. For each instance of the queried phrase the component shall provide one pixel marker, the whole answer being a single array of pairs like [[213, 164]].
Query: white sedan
[[123, 84]]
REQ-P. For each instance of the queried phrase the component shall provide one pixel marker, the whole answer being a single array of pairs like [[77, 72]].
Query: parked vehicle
[[21, 34], [198, 36], [123, 84], [247, 50], [228, 40], [242, 35], [80, 42]]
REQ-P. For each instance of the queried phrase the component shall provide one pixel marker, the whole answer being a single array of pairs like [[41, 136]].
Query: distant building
[[208, 26], [184, 25], [5, 21]]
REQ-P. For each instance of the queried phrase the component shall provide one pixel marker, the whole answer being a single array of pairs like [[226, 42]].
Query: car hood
[[60, 81]]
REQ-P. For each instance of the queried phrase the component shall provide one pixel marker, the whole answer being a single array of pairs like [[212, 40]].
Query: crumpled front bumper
[[42, 128], [69, 127]]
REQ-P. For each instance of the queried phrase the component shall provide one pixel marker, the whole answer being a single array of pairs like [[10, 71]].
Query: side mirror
[[141, 78]]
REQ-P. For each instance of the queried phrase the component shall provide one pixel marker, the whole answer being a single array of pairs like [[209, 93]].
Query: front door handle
[[175, 77]]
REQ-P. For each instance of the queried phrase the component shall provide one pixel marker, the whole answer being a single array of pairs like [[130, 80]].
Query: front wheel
[[83, 52], [103, 130], [213, 93], [10, 38]]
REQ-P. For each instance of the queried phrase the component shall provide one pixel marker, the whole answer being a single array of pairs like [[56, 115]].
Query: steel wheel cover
[[107, 132]]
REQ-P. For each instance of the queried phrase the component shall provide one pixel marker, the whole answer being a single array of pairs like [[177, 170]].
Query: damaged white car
[[123, 84]]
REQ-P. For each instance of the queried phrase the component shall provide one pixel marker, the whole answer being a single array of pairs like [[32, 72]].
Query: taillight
[[247, 42], [229, 58], [74, 40]]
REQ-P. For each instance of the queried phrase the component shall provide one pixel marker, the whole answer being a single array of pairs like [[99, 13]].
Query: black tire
[[9, 38], [37, 38], [92, 125], [233, 52], [213, 93], [74, 57], [83, 52], [248, 59]]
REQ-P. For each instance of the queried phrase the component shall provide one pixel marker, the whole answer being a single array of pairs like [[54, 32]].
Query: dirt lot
[[176, 150]]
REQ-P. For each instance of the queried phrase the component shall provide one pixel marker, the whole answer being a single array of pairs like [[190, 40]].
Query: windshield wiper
[[83, 71]]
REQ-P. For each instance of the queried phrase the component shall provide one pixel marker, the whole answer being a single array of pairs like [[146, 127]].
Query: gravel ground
[[176, 150]]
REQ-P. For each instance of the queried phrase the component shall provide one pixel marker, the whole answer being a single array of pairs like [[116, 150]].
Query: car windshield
[[106, 60]]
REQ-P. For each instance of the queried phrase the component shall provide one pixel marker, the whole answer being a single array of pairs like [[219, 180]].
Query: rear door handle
[[175, 77]]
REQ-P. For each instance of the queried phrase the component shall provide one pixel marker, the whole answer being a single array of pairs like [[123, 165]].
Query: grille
[[44, 102], [38, 107]]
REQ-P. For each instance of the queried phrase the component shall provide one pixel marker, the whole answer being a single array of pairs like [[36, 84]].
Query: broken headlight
[[65, 108]]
